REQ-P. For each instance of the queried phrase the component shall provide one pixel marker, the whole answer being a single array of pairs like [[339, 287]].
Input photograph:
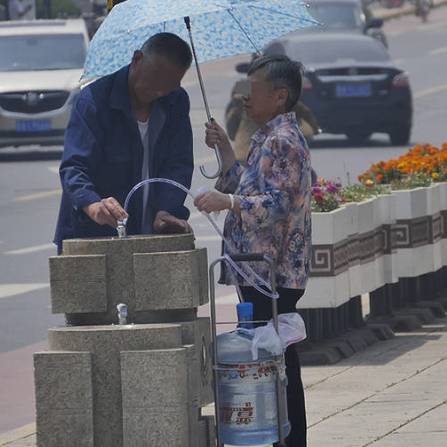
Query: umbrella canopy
[[220, 28]]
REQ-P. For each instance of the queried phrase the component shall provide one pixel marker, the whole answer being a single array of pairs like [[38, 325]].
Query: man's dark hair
[[281, 72], [175, 49]]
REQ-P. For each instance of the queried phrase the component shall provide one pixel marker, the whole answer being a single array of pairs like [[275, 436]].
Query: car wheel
[[358, 137], [400, 136]]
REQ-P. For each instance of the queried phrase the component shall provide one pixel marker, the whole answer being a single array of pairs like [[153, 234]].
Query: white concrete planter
[[415, 255], [443, 206], [331, 227], [347, 260], [328, 229], [367, 224]]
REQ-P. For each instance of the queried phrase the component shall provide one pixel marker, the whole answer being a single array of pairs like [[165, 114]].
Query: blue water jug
[[247, 389]]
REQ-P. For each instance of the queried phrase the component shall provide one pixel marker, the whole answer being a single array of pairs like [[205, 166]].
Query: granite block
[[64, 399], [198, 334], [166, 281], [203, 277], [153, 428], [155, 397], [120, 268], [106, 343], [78, 284], [67, 428], [132, 244]]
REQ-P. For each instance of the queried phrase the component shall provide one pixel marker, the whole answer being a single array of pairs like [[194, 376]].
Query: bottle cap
[[245, 311]]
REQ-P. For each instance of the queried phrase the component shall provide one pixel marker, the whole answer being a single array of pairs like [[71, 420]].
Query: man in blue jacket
[[125, 127]]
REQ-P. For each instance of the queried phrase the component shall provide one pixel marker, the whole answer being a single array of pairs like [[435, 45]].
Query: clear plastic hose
[[254, 276]]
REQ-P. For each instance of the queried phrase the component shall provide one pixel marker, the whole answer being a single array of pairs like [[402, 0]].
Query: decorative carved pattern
[[444, 224], [420, 231], [437, 227], [331, 260], [322, 260], [401, 235]]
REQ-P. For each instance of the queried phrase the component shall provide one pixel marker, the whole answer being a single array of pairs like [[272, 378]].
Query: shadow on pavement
[[385, 352]]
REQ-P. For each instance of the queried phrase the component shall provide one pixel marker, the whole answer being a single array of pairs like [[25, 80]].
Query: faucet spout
[[122, 313], [121, 228]]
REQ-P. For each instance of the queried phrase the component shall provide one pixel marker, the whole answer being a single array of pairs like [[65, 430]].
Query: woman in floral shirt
[[269, 203]]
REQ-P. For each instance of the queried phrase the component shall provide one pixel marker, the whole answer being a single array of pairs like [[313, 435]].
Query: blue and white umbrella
[[221, 28]]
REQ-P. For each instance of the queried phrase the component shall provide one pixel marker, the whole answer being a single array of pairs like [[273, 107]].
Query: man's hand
[[211, 201], [106, 212], [169, 224]]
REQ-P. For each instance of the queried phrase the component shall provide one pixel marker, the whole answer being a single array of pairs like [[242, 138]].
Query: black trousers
[[262, 310]]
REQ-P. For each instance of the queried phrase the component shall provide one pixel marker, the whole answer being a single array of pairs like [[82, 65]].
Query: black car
[[351, 85], [345, 16]]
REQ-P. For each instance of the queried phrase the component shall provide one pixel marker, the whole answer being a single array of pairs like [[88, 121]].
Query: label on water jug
[[239, 414], [252, 388]]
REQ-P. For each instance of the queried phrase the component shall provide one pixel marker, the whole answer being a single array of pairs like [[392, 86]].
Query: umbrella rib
[[311, 20], [243, 30]]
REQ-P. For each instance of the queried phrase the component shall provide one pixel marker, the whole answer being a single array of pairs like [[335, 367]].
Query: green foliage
[[60, 9]]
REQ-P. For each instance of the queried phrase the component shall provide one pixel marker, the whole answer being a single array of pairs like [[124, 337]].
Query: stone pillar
[[141, 384]]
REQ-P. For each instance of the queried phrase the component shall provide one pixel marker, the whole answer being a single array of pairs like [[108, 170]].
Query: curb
[[16, 435], [403, 11]]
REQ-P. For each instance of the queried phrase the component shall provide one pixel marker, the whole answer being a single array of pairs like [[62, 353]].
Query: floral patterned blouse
[[275, 194]]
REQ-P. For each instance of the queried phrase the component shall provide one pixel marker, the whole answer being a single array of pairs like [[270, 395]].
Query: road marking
[[438, 51], [232, 298], [208, 238], [54, 169], [430, 91], [32, 249], [8, 290], [38, 195]]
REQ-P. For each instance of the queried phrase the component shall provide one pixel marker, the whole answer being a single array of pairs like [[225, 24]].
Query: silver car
[[40, 67]]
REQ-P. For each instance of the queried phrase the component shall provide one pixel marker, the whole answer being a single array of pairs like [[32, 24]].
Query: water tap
[[122, 313], [121, 228]]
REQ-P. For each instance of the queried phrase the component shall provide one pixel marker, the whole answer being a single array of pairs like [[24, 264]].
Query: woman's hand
[[216, 136], [212, 201]]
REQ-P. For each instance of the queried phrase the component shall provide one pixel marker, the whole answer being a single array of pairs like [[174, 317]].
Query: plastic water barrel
[[247, 391]]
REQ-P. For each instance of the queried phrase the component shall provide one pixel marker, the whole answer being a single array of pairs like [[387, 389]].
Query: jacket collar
[[119, 97]]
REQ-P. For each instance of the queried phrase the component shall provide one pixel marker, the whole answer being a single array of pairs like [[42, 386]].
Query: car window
[[337, 16], [336, 51], [42, 52]]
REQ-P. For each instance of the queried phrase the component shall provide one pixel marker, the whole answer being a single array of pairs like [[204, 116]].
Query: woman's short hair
[[171, 46], [281, 72]]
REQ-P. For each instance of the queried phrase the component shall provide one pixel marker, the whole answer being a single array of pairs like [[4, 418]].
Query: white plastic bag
[[265, 337], [291, 327]]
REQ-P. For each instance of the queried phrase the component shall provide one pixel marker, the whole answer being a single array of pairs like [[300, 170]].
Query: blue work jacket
[[103, 157]]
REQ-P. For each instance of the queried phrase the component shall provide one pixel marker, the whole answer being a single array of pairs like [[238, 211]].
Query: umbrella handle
[[219, 165], [205, 101]]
